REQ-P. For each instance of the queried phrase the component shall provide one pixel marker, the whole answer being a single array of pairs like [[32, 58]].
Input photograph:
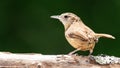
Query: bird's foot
[[72, 54], [91, 57]]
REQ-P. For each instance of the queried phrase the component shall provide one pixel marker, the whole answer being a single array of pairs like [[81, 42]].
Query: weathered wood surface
[[32, 60]]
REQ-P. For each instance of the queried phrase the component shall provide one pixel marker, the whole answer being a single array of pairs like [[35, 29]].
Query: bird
[[80, 36]]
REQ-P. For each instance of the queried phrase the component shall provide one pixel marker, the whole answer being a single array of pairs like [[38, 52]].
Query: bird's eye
[[66, 16]]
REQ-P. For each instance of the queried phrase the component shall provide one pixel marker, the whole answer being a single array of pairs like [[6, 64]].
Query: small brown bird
[[78, 34]]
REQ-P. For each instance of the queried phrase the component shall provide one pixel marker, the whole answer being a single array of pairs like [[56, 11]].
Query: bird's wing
[[80, 31], [78, 35]]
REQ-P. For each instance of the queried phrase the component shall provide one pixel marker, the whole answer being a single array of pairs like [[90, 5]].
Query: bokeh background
[[26, 26]]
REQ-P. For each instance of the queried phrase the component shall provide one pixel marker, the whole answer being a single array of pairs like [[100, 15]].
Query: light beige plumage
[[78, 34]]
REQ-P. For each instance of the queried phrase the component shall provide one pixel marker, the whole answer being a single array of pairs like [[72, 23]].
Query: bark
[[33, 60]]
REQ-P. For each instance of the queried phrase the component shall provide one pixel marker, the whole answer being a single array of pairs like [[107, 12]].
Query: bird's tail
[[104, 35]]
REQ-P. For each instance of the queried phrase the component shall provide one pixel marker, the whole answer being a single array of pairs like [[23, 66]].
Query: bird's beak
[[55, 16]]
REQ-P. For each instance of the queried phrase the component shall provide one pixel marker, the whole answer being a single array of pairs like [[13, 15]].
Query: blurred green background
[[26, 26]]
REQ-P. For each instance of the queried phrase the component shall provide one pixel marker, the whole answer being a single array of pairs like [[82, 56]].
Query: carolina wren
[[78, 34]]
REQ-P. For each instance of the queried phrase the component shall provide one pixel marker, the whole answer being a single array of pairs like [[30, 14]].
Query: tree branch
[[32, 60]]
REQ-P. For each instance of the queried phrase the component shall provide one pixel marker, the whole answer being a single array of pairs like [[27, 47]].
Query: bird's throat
[[66, 26]]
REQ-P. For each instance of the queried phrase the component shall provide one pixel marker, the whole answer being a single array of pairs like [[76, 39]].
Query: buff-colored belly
[[81, 45]]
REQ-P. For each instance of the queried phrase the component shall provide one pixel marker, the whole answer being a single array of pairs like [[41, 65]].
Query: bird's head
[[66, 18]]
